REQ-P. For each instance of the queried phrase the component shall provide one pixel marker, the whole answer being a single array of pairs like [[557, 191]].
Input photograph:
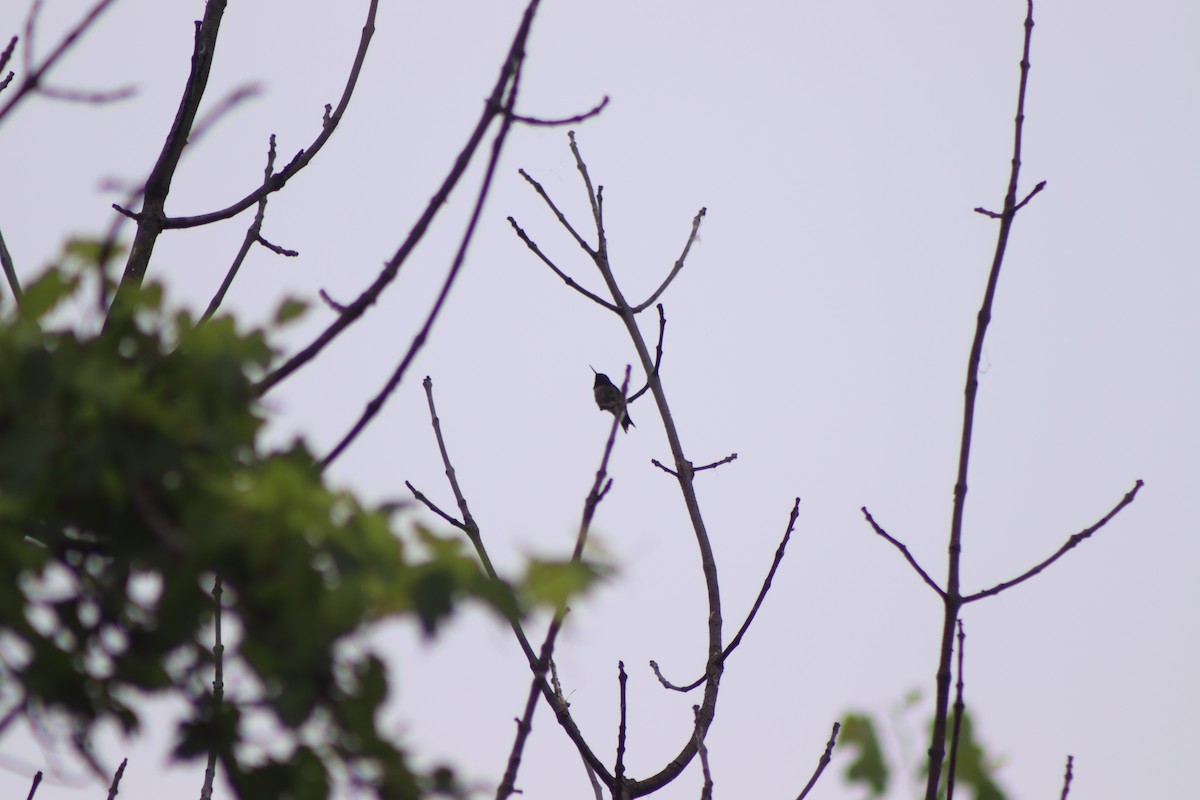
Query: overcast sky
[[820, 330]]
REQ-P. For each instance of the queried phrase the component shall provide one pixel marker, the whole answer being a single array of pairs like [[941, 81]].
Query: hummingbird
[[609, 398]]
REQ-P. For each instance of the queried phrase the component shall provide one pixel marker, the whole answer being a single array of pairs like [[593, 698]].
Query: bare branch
[[329, 301], [98, 97], [619, 769], [959, 710], [37, 780], [678, 263], [562, 219], [900, 546], [34, 74], [421, 498], [252, 235], [116, 781], [329, 123], [822, 763], [552, 693], [460, 257], [554, 267], [706, 789], [727, 459], [218, 684], [1070, 543], [658, 352], [1066, 790], [274, 248], [508, 75], [592, 112], [762, 595], [952, 598]]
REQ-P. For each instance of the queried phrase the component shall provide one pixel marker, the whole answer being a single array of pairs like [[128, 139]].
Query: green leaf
[[46, 292], [868, 766], [289, 310], [553, 583]]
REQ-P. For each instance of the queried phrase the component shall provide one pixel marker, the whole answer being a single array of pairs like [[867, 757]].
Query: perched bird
[[609, 398]]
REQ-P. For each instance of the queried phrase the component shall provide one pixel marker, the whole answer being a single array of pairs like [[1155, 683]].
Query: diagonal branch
[[658, 352], [471, 528], [34, 74], [822, 763], [562, 219], [354, 310], [678, 263], [567, 279], [762, 595], [553, 123], [377, 403], [1070, 543], [301, 160], [907, 555]]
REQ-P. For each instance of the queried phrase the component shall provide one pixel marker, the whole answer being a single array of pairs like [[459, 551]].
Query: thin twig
[[727, 459], [1070, 543], [758, 601], [96, 97], [421, 498], [368, 297], [1067, 777], [658, 353], [959, 710], [678, 263], [562, 218], [826, 757], [552, 693], [37, 780], [218, 684], [706, 789], [34, 74], [114, 787], [903, 549], [619, 769], [506, 787], [252, 235], [329, 123], [377, 402], [567, 279], [550, 123]]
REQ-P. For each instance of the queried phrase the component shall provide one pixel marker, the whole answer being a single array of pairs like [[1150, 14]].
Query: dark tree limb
[[114, 787], [952, 598], [1070, 543], [506, 84], [559, 215], [218, 684], [10, 271], [822, 763], [706, 789], [904, 550], [37, 780]]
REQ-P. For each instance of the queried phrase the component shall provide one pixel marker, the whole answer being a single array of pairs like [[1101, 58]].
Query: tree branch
[[822, 763], [678, 263], [907, 555], [1070, 543]]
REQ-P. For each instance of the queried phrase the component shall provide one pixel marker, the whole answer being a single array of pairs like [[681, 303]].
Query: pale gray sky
[[820, 330]]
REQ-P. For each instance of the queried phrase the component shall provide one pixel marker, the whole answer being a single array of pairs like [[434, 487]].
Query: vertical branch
[[958, 718], [10, 271], [158, 185], [218, 696], [619, 769], [952, 600]]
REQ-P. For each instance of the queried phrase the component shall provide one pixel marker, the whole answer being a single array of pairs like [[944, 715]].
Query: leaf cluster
[[131, 482]]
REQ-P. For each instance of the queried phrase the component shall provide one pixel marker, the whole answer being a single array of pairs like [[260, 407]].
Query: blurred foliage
[[869, 765], [131, 477]]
